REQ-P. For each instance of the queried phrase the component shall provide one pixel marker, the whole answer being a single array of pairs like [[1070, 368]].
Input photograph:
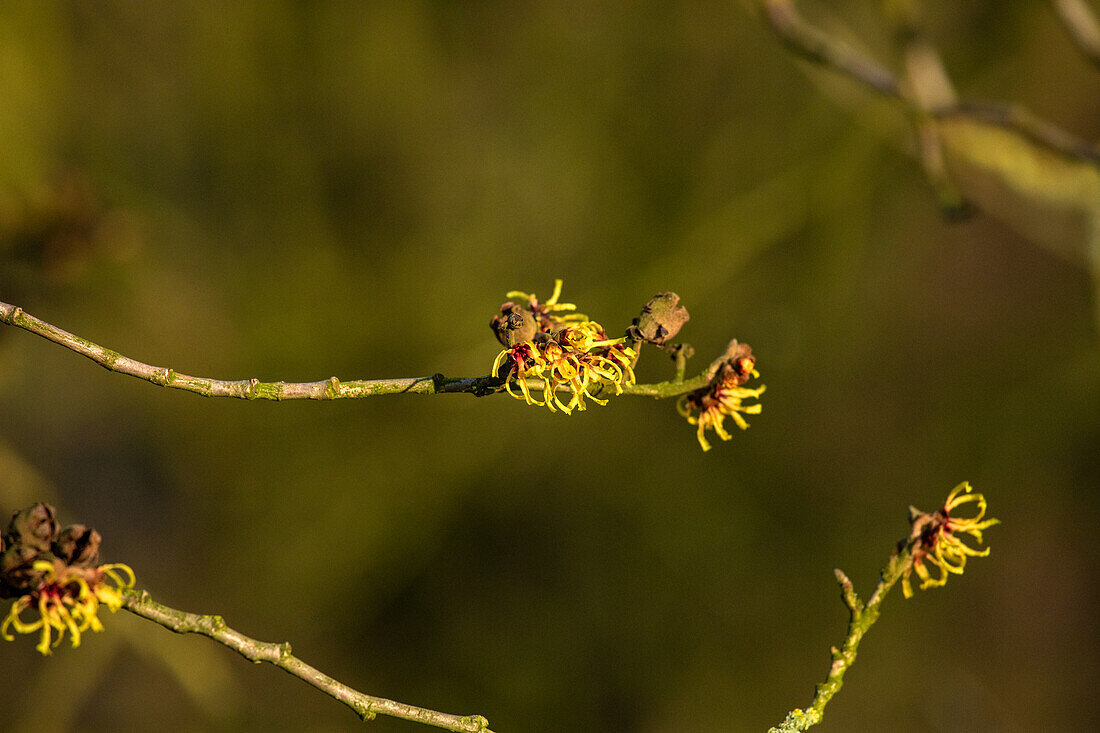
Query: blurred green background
[[290, 191]]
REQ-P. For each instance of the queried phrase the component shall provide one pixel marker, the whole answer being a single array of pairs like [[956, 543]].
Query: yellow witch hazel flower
[[724, 395], [937, 540], [53, 576], [549, 313], [68, 599], [570, 354]]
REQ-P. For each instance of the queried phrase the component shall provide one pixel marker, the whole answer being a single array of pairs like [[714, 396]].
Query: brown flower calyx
[[734, 367], [514, 325], [661, 319]]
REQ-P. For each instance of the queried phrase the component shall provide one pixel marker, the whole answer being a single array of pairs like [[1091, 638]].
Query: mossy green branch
[[280, 655], [934, 550], [325, 389], [862, 618]]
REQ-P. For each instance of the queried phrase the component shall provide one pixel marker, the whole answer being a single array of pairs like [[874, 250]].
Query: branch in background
[[327, 389], [365, 706], [928, 86], [1026, 124], [813, 44], [1082, 26], [935, 540]]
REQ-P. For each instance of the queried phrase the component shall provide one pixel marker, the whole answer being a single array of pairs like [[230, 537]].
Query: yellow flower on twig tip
[[709, 411], [67, 599], [936, 540], [723, 396]]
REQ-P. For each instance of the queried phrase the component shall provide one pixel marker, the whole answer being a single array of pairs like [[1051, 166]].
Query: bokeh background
[[291, 191]]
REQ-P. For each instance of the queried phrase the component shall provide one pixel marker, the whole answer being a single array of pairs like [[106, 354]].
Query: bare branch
[[810, 43], [326, 389], [927, 86], [365, 706], [813, 44]]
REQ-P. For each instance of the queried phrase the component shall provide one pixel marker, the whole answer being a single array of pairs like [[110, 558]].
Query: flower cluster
[[559, 358], [723, 396], [568, 353], [936, 540], [53, 573]]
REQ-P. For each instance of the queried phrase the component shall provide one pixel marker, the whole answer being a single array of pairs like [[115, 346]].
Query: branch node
[[848, 593], [474, 723], [333, 388]]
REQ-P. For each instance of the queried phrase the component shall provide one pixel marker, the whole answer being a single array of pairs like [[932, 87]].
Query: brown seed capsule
[[661, 319], [513, 325], [17, 573], [36, 526], [78, 545]]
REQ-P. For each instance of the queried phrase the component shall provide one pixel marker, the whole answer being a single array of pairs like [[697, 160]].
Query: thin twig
[[1030, 126], [862, 618], [927, 86], [811, 43], [326, 389], [365, 706], [1082, 25]]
